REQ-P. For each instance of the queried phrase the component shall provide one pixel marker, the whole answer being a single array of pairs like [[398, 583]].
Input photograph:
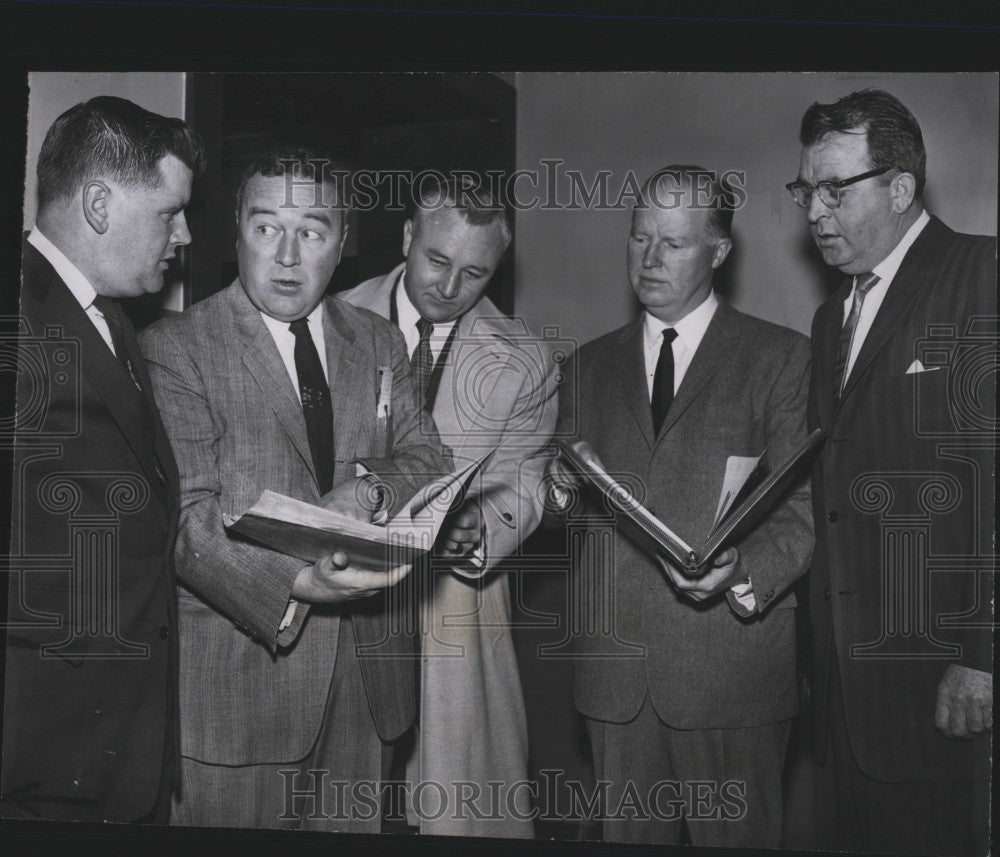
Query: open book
[[748, 492], [296, 528]]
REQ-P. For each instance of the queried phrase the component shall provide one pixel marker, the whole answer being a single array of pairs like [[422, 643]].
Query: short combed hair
[[306, 164], [109, 137], [894, 138], [478, 203], [721, 202]]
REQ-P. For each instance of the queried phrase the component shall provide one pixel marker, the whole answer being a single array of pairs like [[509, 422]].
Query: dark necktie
[[663, 380], [115, 318], [316, 406], [862, 283], [422, 361]]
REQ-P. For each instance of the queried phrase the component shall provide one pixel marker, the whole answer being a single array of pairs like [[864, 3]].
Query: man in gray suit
[[687, 684], [284, 720]]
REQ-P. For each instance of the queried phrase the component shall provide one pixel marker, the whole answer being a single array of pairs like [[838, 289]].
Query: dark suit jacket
[[248, 694], [88, 726], [905, 474], [704, 666]]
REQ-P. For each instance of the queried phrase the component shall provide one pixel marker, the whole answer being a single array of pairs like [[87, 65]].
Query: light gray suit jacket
[[703, 665], [497, 389], [249, 695]]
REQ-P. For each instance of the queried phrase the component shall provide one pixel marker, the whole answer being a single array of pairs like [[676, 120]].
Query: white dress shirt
[[885, 271], [408, 316], [690, 331], [75, 281], [285, 340]]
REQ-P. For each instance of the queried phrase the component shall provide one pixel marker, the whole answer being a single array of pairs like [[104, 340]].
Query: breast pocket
[[745, 439]]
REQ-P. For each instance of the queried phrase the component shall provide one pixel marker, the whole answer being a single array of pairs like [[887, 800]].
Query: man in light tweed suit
[[265, 385]]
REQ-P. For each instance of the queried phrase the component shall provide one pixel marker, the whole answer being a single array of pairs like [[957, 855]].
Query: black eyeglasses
[[829, 192]]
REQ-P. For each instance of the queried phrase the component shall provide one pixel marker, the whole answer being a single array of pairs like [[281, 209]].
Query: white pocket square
[[916, 366]]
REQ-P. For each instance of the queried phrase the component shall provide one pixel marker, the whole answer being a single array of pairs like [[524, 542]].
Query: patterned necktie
[[316, 406], [115, 318], [663, 380], [422, 361], [862, 283]]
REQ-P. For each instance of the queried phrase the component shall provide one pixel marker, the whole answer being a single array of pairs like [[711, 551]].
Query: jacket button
[[826, 594], [833, 516], [164, 632], [507, 516]]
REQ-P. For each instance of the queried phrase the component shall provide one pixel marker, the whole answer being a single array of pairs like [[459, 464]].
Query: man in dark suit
[[294, 678], [902, 494], [90, 699], [687, 683]]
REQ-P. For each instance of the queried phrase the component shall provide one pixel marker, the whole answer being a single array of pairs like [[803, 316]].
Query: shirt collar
[[75, 281], [887, 268], [409, 315], [690, 329], [281, 328]]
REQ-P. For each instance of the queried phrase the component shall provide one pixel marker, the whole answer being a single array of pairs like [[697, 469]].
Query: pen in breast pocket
[[383, 405]]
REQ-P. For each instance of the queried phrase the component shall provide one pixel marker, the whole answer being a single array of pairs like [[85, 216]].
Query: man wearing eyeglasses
[[902, 497]]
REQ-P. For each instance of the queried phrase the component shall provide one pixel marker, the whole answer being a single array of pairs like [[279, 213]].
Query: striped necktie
[[862, 284]]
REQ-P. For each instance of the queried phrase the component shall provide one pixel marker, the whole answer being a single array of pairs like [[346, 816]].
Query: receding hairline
[[243, 198], [430, 211]]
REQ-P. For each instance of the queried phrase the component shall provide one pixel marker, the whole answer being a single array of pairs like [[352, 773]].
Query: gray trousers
[[725, 783], [307, 794]]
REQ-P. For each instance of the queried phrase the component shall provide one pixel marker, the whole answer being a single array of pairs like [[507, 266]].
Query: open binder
[[307, 532], [745, 500]]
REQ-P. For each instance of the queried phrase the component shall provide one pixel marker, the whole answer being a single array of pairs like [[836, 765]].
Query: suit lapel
[[829, 333], [98, 365], [919, 268], [161, 444], [713, 352], [265, 366], [631, 371], [348, 378]]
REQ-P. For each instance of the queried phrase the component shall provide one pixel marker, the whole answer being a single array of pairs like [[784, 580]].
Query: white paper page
[[738, 470]]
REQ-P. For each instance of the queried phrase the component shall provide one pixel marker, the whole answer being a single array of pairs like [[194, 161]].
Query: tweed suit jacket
[[497, 389], [909, 465], [90, 726], [701, 663], [248, 694]]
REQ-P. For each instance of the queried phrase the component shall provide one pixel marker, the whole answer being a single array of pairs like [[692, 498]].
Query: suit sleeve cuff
[[741, 598], [291, 623]]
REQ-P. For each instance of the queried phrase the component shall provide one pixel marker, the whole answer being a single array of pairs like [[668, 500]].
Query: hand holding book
[[332, 580], [316, 534], [748, 492], [720, 574]]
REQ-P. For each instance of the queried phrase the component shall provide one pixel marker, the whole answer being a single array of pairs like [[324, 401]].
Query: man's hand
[[964, 702], [463, 531], [332, 581], [354, 498], [721, 575]]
